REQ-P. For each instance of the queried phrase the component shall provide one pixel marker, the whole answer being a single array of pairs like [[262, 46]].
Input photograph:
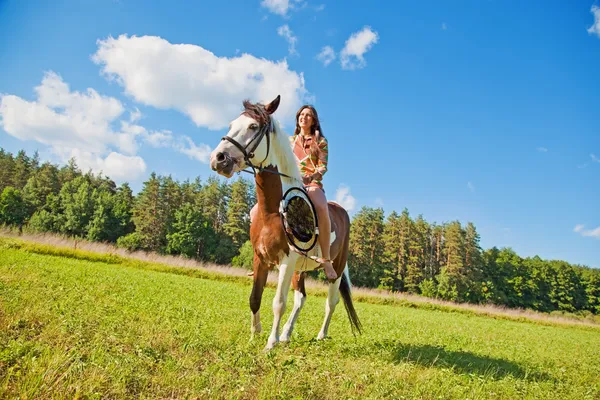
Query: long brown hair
[[316, 126]]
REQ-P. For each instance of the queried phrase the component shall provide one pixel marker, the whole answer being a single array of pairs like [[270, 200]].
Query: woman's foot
[[329, 271]]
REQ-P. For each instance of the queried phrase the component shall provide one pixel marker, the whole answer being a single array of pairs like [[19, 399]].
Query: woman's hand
[[306, 179]]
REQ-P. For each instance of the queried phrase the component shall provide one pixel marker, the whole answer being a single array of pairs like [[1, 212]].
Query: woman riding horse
[[311, 150]]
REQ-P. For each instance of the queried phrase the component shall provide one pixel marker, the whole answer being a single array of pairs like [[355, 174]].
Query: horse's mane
[[281, 154]]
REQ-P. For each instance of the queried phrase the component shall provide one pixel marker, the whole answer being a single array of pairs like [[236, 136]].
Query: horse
[[255, 140]]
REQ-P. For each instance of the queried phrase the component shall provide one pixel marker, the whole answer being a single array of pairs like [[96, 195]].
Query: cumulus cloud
[[197, 152], [186, 77], [62, 118], [327, 55], [587, 232], [352, 55], [279, 7], [76, 124], [285, 32], [117, 166], [595, 28], [344, 198], [542, 149], [93, 129]]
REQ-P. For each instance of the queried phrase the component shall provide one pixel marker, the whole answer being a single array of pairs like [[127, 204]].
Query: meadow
[[80, 324]]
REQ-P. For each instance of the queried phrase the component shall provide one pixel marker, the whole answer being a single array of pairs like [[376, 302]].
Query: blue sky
[[482, 111]]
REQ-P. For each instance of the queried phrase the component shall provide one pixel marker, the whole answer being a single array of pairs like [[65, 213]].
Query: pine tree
[[396, 238], [43, 182], [452, 279], [22, 170], [213, 201], [149, 215], [6, 169], [473, 264], [69, 172], [417, 255], [238, 213], [366, 248]]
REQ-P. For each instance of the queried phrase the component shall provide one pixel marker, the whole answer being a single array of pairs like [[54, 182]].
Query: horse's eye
[[253, 126]]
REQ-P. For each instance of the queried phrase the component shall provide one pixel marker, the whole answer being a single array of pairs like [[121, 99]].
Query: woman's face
[[305, 119]]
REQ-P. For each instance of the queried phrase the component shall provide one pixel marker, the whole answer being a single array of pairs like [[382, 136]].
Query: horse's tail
[[346, 293]]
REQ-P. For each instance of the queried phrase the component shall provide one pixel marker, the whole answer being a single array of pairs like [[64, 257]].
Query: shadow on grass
[[460, 362]]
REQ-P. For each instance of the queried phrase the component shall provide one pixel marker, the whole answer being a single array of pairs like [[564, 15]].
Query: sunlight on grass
[[97, 329]]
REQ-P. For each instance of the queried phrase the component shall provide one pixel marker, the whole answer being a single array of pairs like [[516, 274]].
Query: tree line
[[209, 221]]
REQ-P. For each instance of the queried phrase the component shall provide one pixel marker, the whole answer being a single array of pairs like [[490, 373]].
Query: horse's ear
[[272, 106]]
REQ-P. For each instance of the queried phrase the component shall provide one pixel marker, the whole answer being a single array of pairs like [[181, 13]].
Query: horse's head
[[243, 145]]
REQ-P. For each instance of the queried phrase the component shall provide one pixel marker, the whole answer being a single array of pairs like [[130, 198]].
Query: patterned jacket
[[310, 161]]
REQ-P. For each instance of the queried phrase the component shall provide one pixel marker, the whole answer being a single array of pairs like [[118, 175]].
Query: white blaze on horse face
[[242, 130]]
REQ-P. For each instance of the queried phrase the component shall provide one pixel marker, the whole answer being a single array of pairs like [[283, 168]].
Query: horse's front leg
[[260, 279], [299, 299], [286, 270]]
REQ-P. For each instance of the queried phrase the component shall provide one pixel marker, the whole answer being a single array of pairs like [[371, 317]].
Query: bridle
[[249, 149]]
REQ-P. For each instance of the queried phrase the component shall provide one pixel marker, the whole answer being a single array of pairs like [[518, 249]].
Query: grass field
[[78, 325]]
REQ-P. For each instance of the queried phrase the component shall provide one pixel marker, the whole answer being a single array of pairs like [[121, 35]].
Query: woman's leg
[[317, 196]]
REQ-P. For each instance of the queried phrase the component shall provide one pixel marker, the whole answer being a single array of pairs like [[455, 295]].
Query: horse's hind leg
[[333, 297], [299, 299]]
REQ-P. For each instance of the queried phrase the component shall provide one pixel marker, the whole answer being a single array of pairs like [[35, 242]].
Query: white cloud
[[594, 158], [279, 7], [117, 166], [320, 7], [595, 28], [587, 232], [84, 126], [135, 116], [159, 138], [189, 148], [76, 124], [352, 55], [344, 198], [62, 118], [542, 149], [444, 26], [327, 55], [471, 186], [379, 202], [207, 88], [285, 32]]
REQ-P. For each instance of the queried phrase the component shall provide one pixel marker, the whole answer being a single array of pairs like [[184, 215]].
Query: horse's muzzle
[[222, 163]]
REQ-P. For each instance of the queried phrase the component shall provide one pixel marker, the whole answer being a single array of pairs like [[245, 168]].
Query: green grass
[[83, 325]]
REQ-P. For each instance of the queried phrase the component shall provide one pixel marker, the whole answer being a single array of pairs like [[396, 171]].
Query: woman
[[310, 147]]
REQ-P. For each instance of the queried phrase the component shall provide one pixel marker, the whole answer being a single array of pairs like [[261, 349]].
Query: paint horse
[[255, 140]]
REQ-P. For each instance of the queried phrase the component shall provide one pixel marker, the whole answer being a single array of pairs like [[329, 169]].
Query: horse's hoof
[[256, 329], [321, 336], [270, 345]]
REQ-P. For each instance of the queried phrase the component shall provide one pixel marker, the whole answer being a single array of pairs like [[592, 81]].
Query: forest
[[208, 220]]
